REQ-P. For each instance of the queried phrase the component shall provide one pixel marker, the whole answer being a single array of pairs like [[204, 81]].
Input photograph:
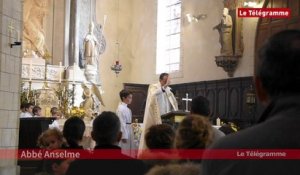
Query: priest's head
[[164, 79], [107, 129], [277, 71]]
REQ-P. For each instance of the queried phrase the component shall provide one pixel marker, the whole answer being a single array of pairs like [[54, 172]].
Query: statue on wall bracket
[[231, 39]]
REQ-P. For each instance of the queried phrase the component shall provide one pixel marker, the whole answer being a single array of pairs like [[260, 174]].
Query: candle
[[218, 121], [74, 73], [30, 70], [104, 20], [60, 72], [18, 36]]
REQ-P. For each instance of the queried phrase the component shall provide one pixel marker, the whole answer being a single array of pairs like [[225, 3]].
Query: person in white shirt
[[125, 116], [56, 114], [22, 109], [28, 111], [37, 111]]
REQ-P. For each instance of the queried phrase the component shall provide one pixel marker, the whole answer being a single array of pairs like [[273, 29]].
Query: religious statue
[[88, 103], [91, 54], [91, 45], [92, 100], [225, 31], [34, 34]]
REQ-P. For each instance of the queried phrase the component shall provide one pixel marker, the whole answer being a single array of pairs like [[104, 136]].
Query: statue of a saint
[[91, 47], [91, 54], [34, 34], [225, 31]]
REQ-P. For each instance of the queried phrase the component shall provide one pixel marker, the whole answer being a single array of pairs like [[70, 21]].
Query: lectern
[[173, 118], [29, 131]]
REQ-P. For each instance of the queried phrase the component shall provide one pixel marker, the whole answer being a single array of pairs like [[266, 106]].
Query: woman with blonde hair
[[194, 132]]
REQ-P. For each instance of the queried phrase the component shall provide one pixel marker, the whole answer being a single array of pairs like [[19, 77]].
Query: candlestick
[[74, 73], [29, 90], [30, 70], [60, 72], [18, 36], [73, 94]]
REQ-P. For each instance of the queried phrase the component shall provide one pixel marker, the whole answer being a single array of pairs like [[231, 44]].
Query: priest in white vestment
[[125, 116], [160, 100]]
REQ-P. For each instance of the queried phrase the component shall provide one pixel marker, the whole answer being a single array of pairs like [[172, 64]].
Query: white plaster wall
[[137, 36], [200, 43], [117, 29]]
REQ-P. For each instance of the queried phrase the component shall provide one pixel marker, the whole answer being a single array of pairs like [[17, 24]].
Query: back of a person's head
[[176, 169], [22, 106], [160, 137], [106, 128], [28, 105], [278, 66], [73, 130], [200, 106], [193, 132]]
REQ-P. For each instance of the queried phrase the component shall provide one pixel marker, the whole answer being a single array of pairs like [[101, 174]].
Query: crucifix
[[11, 27], [186, 99]]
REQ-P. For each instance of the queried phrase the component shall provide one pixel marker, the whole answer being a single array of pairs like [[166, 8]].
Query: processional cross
[[186, 99]]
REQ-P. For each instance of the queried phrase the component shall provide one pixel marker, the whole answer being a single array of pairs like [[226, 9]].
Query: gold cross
[[11, 27]]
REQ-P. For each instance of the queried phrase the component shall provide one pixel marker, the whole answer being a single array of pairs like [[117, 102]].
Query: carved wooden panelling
[[227, 98]]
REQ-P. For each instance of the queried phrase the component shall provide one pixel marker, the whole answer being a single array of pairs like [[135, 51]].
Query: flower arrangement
[[77, 112], [137, 131]]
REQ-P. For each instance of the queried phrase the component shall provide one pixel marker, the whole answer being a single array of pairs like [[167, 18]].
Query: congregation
[[164, 143]]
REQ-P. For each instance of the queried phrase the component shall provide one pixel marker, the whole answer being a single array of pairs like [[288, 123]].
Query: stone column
[[73, 35]]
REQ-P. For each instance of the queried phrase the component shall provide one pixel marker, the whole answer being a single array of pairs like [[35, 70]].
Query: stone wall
[[10, 68]]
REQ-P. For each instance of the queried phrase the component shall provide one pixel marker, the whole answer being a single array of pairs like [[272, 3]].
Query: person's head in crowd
[[126, 96], [22, 107], [176, 169], [278, 67], [73, 131], [193, 132], [51, 139], [29, 107], [107, 129], [160, 137], [57, 166], [37, 111], [200, 106], [55, 112]]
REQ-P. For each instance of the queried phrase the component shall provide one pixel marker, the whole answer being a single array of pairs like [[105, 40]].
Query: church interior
[[46, 57]]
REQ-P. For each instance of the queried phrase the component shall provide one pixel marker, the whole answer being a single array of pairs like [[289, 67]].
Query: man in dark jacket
[[277, 81], [107, 157]]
